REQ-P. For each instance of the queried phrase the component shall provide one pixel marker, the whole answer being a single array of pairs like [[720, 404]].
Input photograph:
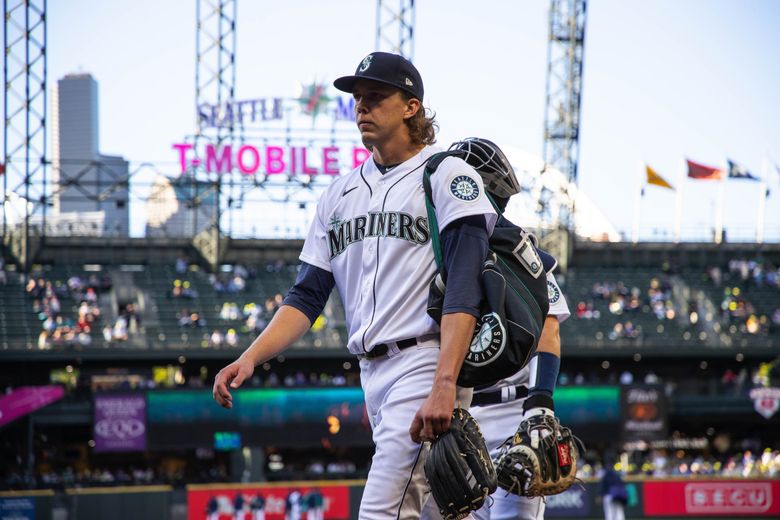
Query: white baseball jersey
[[371, 231], [558, 308]]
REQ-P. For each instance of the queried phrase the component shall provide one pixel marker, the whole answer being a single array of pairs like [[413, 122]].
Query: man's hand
[[232, 375], [434, 416]]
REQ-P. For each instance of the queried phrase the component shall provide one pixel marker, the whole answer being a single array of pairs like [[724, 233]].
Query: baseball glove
[[459, 470], [541, 458]]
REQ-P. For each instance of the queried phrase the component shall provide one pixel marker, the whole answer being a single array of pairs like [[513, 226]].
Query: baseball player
[[370, 238], [500, 408]]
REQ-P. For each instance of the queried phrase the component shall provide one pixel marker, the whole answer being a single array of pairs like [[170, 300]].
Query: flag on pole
[[2, 168], [702, 172], [656, 180], [737, 171]]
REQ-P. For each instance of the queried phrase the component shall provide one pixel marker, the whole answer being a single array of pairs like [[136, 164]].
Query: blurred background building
[[90, 189]]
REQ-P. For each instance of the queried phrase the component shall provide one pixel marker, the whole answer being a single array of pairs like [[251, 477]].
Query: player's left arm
[[465, 246], [433, 417]]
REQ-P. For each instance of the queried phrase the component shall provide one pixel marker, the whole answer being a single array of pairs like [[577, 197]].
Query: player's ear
[[413, 105]]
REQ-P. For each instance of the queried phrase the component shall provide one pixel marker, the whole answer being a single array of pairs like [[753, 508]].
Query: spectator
[[293, 506], [257, 505], [216, 339], [231, 338], [181, 264], [614, 494]]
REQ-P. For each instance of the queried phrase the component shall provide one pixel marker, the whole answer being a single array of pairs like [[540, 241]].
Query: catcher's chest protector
[[515, 301]]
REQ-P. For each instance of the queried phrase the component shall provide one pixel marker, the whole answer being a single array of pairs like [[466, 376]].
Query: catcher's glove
[[459, 470], [541, 458]]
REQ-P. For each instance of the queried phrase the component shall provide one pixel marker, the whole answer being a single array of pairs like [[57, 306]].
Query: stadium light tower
[[563, 92], [215, 80], [24, 135], [395, 27]]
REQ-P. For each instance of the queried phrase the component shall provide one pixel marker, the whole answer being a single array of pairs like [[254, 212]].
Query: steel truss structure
[[224, 196], [395, 27], [215, 81], [562, 101], [24, 136]]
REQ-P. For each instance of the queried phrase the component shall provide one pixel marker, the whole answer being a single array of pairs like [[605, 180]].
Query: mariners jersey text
[[392, 224]]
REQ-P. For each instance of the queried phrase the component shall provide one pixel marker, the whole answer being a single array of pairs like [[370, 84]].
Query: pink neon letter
[[359, 155], [223, 164], [274, 159], [182, 147], [248, 170], [306, 169], [330, 164]]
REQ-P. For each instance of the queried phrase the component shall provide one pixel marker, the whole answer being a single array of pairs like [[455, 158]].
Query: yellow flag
[[657, 180]]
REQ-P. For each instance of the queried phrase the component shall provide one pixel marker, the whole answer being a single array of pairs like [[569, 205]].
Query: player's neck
[[396, 152]]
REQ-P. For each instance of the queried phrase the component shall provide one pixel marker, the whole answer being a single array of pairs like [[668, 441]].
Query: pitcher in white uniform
[[370, 239]]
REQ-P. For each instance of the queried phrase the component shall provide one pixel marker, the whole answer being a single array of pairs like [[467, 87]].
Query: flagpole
[[719, 216], [762, 202], [678, 209], [637, 210]]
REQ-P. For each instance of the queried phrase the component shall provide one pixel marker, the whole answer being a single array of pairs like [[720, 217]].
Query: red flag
[[2, 168], [704, 173]]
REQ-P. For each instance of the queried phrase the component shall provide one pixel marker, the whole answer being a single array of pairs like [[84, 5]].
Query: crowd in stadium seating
[[755, 272], [732, 303], [662, 463], [101, 477], [60, 324], [237, 321], [739, 299], [737, 307], [622, 300], [250, 319], [694, 463]]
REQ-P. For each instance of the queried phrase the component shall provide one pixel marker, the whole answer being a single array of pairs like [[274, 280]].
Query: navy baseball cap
[[384, 67]]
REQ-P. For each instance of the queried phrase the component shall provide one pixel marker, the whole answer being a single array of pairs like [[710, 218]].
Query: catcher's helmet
[[492, 165]]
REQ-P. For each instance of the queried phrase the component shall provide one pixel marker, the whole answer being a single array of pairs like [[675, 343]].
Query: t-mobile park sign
[[270, 160], [313, 109]]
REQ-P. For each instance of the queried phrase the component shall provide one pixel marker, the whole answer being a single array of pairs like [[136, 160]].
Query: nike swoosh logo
[[349, 190]]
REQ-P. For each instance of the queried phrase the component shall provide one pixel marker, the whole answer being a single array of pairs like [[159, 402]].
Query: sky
[[663, 81]]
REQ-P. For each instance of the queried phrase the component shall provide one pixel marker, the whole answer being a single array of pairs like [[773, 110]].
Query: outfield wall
[[668, 498]]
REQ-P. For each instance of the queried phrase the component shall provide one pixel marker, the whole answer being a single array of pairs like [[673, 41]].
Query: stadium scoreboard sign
[[311, 135]]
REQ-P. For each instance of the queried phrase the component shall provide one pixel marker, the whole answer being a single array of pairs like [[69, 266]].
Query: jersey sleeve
[[458, 192], [558, 305], [315, 248]]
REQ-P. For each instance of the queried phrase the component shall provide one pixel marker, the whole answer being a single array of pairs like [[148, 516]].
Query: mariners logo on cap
[[365, 63], [553, 293], [464, 187], [488, 341]]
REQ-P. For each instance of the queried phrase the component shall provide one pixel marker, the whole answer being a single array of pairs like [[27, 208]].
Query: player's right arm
[[304, 302], [286, 327]]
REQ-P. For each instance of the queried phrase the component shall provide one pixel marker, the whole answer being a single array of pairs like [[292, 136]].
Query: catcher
[[541, 457]]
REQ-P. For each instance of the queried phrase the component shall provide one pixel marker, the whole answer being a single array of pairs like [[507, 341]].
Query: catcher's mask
[[492, 165]]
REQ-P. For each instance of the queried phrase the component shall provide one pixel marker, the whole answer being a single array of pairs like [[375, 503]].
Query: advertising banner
[[572, 503], [738, 498], [644, 413], [27, 399], [120, 422], [22, 508], [220, 502]]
